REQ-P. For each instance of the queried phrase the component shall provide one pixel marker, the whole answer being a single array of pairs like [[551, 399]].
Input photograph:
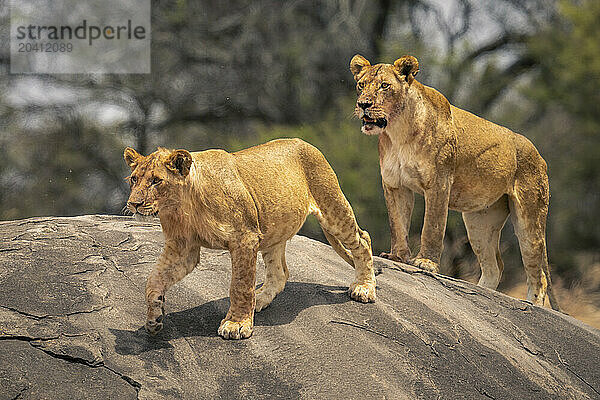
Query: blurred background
[[234, 74]]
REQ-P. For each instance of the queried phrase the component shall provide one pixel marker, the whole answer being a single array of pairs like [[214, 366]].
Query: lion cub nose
[[135, 204]]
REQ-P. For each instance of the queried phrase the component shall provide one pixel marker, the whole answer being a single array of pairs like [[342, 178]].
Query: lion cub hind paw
[[262, 301], [363, 292], [426, 265], [235, 330]]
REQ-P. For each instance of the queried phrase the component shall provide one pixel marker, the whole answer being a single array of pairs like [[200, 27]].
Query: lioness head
[[382, 89], [156, 180]]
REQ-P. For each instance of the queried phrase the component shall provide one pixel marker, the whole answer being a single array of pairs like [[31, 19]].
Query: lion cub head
[[156, 180], [382, 89]]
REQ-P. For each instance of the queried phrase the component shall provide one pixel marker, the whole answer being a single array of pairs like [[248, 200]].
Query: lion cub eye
[[132, 179], [385, 85], [156, 181], [361, 86]]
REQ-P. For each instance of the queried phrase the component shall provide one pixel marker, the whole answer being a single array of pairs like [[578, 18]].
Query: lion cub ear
[[407, 66], [179, 162], [131, 157], [357, 65]]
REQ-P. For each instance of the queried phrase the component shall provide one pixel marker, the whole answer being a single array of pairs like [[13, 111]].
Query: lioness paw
[[363, 292], [426, 265], [235, 330]]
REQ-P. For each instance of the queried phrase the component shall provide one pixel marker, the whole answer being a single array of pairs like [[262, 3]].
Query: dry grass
[[581, 301]]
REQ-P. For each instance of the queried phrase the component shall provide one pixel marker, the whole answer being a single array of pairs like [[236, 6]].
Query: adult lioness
[[245, 202], [455, 160]]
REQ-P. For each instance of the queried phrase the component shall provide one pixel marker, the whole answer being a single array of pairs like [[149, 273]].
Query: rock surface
[[72, 307]]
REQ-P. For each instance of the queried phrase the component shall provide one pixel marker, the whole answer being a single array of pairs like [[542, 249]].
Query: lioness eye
[[361, 85], [133, 179], [385, 85], [156, 181]]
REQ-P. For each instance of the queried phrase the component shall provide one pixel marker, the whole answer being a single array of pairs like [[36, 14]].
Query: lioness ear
[[407, 66], [180, 162], [131, 157], [357, 65]]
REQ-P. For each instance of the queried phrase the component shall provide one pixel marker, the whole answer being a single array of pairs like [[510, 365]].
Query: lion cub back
[[274, 174]]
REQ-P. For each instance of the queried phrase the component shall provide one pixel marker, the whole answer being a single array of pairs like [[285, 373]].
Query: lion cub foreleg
[[276, 275], [173, 265], [239, 321]]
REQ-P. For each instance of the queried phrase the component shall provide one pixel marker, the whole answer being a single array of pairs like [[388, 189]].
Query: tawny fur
[[245, 202], [456, 160]]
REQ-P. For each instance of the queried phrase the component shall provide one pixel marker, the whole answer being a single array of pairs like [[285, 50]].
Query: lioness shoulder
[[456, 160]]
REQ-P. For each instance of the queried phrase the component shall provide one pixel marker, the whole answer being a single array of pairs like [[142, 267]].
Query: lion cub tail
[[339, 248]]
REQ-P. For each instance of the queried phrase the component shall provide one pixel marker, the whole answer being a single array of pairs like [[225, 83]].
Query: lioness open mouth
[[370, 123]]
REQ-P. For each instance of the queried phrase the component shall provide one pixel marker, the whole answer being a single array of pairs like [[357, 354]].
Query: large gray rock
[[72, 307]]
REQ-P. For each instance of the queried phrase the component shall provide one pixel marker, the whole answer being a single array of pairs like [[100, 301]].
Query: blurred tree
[[232, 74], [566, 95]]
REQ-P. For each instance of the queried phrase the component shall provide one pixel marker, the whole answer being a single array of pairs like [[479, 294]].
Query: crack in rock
[[568, 367], [40, 317], [365, 328], [78, 360], [18, 396]]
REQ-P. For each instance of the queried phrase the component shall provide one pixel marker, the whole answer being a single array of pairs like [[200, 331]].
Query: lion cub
[[456, 160], [245, 202]]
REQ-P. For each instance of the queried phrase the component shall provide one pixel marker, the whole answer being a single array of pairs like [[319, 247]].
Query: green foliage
[[569, 57], [567, 93], [354, 158]]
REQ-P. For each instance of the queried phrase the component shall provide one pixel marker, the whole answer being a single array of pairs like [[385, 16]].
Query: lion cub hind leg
[[335, 215], [239, 321], [342, 226], [483, 230], [276, 276]]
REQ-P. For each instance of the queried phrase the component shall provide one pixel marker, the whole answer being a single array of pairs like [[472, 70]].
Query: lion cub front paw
[[363, 292], [235, 329], [395, 257], [156, 315], [426, 264]]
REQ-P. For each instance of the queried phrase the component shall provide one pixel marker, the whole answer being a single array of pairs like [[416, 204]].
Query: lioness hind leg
[[529, 207], [276, 275], [483, 230]]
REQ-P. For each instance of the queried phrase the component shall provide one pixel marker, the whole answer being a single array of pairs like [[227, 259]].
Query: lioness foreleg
[[172, 266], [399, 202], [239, 321], [434, 227]]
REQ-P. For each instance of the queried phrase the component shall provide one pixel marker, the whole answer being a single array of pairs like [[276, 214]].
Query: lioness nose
[[365, 104]]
